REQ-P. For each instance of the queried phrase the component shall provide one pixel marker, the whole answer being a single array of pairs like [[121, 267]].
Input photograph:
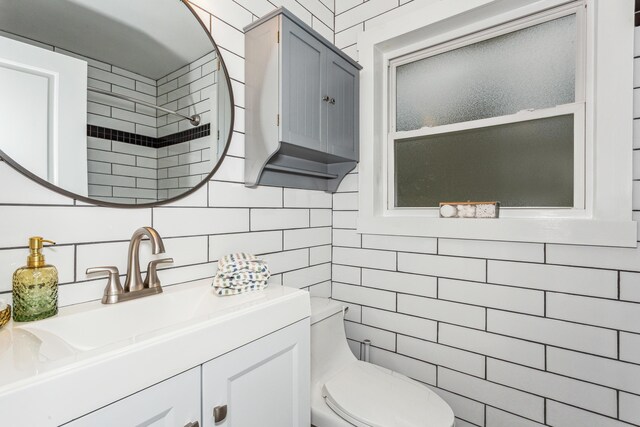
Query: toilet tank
[[329, 348]]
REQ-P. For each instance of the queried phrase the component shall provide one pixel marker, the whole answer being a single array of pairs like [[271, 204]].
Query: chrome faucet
[[134, 286]]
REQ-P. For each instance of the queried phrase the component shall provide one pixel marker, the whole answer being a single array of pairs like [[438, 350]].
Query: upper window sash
[[577, 9]]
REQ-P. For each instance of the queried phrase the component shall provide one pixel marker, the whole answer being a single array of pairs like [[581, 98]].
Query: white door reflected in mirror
[[43, 94]]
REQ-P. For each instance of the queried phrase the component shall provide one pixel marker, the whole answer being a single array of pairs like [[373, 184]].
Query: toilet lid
[[367, 395]]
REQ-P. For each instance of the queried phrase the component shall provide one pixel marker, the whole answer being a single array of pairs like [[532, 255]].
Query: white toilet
[[346, 392]]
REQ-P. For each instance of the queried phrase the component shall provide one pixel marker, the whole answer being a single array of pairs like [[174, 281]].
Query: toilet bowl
[[346, 392]]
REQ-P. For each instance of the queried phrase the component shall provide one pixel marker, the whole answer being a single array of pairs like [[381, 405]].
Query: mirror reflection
[[119, 101]]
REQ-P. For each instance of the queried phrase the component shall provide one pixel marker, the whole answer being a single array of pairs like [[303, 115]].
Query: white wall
[[290, 228], [510, 334]]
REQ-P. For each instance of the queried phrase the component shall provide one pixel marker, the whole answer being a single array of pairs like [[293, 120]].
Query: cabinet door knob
[[220, 413], [332, 101], [193, 424], [325, 98]]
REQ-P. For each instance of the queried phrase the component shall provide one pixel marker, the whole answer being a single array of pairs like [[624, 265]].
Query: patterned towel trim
[[238, 279], [249, 266], [253, 286], [235, 258], [241, 261]]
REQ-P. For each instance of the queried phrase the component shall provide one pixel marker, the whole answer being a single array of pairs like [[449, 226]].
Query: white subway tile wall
[[509, 334], [182, 166], [168, 171], [121, 172], [221, 217], [109, 177]]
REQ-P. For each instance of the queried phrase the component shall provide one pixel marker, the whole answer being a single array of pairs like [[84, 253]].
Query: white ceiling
[[148, 37]]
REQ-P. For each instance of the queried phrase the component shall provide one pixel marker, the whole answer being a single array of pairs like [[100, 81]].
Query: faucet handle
[[114, 287], [152, 280]]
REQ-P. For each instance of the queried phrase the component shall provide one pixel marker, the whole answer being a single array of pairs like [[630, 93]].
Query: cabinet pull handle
[[325, 98], [220, 413], [332, 101], [193, 424]]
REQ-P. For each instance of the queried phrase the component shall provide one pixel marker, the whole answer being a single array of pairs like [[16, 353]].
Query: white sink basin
[[95, 325]]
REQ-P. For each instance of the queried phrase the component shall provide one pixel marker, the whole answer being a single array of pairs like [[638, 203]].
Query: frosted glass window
[[534, 67], [519, 164]]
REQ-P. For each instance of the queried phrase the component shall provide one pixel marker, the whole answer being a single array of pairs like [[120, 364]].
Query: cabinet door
[[264, 383], [343, 90], [171, 403], [303, 65]]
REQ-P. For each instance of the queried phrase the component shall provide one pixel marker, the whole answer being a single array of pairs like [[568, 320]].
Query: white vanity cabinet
[[249, 352], [171, 403], [264, 383]]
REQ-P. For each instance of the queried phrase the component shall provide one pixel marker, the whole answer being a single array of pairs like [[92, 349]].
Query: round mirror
[[118, 103]]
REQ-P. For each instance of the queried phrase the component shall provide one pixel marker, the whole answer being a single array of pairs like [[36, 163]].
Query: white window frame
[[602, 112], [577, 109]]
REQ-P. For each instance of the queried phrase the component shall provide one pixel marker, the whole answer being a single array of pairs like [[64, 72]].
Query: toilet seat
[[368, 395]]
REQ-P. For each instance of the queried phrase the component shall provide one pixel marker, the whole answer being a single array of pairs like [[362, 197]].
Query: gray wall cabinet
[[301, 100]]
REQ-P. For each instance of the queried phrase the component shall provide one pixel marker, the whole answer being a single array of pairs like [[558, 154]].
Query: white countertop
[[90, 355]]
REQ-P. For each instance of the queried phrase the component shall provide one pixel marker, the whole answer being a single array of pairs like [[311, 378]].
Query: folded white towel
[[240, 272]]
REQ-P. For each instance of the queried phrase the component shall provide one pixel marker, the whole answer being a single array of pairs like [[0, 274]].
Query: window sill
[[548, 230]]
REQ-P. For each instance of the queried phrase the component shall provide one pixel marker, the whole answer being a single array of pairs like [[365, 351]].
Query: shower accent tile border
[[148, 141]]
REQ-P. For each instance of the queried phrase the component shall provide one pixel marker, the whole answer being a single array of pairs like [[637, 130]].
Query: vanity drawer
[[171, 403]]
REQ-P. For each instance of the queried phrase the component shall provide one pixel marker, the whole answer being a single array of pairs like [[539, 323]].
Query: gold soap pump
[[35, 286]]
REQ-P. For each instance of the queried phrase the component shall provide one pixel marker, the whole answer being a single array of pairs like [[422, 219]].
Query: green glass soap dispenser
[[35, 286]]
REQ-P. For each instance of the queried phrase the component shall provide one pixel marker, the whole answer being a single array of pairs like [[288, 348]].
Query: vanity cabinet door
[[303, 65], [171, 403], [342, 124], [264, 383]]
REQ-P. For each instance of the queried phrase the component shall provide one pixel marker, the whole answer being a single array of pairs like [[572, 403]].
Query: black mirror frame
[[48, 185]]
